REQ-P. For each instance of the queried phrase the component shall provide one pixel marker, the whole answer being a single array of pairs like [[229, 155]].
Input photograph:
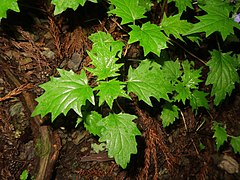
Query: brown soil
[[32, 47]]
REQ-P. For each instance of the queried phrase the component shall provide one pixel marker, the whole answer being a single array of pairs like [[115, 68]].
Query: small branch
[[193, 55]]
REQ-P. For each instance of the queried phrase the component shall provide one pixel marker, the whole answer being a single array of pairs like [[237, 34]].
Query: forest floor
[[31, 48]]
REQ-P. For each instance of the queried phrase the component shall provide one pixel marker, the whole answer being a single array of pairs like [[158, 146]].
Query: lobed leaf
[[8, 4], [215, 20], [119, 134], [62, 5], [148, 80], [110, 90], [173, 25], [198, 99], [129, 11], [150, 38], [70, 91]]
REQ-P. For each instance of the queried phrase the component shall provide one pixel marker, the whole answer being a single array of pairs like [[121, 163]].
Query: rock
[[229, 164], [74, 62]]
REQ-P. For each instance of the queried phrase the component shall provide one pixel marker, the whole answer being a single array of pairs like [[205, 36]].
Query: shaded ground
[[32, 47]]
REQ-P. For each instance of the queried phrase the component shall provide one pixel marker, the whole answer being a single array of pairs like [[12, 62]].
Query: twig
[[184, 121]]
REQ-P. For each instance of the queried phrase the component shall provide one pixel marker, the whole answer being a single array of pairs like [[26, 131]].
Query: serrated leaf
[[104, 40], [235, 142], [129, 11], [220, 134], [148, 80], [150, 38], [105, 63], [182, 4], [70, 91], [8, 4], [198, 99], [173, 25], [190, 76], [189, 80], [169, 114], [91, 123], [183, 92], [172, 70], [110, 90], [217, 19], [119, 134], [222, 75], [62, 5]]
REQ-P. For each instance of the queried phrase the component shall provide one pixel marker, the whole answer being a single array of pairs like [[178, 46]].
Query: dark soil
[[33, 44]]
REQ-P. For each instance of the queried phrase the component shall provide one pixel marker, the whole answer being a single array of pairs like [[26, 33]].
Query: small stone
[[74, 62], [229, 164]]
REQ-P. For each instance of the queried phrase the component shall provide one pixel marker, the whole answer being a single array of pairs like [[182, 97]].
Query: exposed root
[[154, 138]]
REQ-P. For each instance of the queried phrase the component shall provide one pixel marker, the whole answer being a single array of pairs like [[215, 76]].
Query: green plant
[[221, 136], [24, 175], [171, 81]]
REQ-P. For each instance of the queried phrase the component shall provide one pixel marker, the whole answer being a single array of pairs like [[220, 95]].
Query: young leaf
[[105, 63], [150, 37], [91, 123], [198, 99], [148, 80], [182, 4], [70, 91], [190, 80], [119, 134], [235, 142], [216, 20], [129, 11], [220, 134], [62, 5], [222, 75], [110, 90], [169, 114], [8, 4], [173, 25]]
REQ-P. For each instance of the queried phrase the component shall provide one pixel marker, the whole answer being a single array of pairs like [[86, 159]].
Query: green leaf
[[98, 147], [169, 114], [129, 11], [220, 134], [105, 63], [110, 90], [8, 4], [119, 134], [198, 99], [235, 142], [173, 25], [189, 80], [147, 4], [182, 4], [216, 20], [91, 123], [150, 37], [24, 175], [171, 70], [62, 5], [222, 75], [148, 80], [70, 91], [104, 40]]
